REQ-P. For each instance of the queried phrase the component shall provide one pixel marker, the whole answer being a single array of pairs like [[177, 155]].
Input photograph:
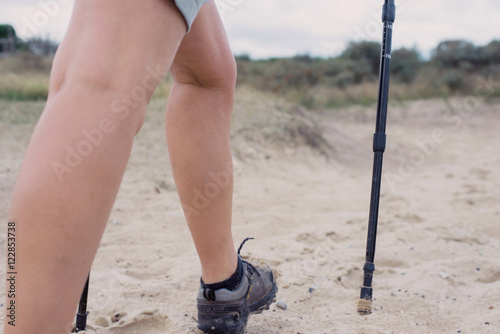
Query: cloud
[[318, 27], [321, 27]]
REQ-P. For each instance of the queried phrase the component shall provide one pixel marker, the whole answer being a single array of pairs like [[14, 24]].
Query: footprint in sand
[[480, 173], [314, 238], [351, 279], [146, 321], [492, 276], [410, 218], [112, 319]]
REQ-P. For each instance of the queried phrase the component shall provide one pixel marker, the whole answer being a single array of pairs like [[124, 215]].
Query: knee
[[218, 73], [125, 101]]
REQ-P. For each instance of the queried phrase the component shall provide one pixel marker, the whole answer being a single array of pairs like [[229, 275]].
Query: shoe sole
[[239, 327]]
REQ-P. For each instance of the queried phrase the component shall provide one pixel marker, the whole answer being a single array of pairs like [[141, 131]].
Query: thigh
[[204, 56], [114, 42]]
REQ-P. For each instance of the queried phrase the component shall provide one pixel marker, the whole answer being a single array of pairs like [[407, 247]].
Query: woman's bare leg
[[198, 128], [109, 63]]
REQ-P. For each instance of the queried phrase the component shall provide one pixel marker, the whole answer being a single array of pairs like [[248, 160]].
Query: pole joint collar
[[379, 140], [389, 12]]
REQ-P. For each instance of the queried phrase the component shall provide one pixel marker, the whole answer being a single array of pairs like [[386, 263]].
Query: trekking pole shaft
[[81, 316], [379, 142], [388, 16]]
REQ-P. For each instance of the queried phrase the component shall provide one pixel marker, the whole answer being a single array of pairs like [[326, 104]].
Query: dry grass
[[26, 77], [24, 87], [20, 112]]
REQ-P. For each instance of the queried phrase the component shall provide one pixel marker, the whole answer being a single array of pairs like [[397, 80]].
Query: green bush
[[454, 80], [405, 64], [7, 31], [453, 53], [490, 53], [364, 52]]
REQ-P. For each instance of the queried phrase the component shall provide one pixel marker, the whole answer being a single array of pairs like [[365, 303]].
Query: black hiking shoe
[[226, 312]]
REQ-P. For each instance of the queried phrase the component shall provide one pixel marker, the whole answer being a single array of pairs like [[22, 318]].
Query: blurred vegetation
[[39, 46], [455, 67], [25, 76]]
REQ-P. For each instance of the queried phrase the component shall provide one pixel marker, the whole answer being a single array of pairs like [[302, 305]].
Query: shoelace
[[246, 262]]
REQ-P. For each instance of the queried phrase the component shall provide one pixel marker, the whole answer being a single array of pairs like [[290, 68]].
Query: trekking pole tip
[[365, 301]]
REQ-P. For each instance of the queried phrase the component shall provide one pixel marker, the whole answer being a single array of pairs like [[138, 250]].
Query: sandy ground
[[302, 187]]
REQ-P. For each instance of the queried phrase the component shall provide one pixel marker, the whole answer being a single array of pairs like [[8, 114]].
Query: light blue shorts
[[189, 9]]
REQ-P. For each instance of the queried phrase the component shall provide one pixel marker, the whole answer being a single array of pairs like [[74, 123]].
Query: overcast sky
[[274, 28]]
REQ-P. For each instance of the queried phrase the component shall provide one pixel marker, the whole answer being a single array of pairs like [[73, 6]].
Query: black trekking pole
[[388, 17], [81, 315]]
